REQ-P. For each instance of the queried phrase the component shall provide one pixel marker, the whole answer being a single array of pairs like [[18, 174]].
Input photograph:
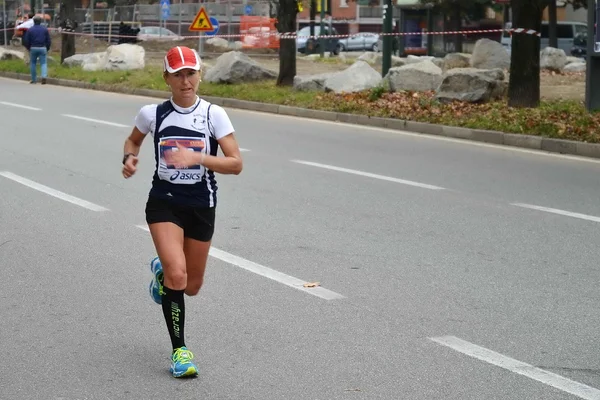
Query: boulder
[[422, 76], [553, 59], [311, 82], [456, 60], [489, 54], [218, 42], [575, 67], [6, 54], [472, 85], [359, 76], [125, 56], [237, 67]]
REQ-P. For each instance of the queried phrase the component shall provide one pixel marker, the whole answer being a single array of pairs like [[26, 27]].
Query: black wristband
[[126, 156]]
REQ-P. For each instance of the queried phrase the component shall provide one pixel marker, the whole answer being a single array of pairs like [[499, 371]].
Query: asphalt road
[[439, 277]]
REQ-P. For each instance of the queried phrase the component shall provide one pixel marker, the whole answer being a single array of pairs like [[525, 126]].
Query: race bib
[[167, 147]]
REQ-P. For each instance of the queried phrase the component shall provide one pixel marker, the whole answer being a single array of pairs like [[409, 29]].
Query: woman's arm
[[131, 150], [134, 142], [230, 164]]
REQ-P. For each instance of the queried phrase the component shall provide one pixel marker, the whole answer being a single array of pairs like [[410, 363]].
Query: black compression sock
[[174, 312]]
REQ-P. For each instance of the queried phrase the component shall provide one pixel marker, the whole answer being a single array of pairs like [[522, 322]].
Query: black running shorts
[[197, 222]]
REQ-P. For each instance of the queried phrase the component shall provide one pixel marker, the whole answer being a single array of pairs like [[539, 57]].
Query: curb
[[561, 146]]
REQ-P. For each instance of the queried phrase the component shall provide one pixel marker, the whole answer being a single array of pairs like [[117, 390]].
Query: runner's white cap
[[181, 57]]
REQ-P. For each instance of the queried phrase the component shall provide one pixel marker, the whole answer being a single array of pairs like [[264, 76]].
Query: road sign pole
[[201, 24], [386, 61]]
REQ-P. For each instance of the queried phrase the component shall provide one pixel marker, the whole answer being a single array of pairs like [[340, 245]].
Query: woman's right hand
[[130, 166]]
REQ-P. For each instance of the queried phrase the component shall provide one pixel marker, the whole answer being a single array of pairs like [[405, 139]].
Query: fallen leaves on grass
[[557, 119]]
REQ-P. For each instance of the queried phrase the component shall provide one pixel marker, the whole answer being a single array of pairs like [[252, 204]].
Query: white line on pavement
[[370, 175], [6, 103], [98, 121], [518, 367], [268, 273], [557, 211], [241, 149], [52, 192]]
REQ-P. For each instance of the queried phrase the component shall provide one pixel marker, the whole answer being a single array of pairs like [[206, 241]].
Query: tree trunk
[[67, 10], [457, 26], [552, 17], [286, 23], [524, 85]]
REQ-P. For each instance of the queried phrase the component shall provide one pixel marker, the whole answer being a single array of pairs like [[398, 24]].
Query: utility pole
[[388, 13]]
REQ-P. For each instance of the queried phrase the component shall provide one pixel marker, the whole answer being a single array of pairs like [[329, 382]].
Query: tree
[[524, 84], [286, 11], [68, 24]]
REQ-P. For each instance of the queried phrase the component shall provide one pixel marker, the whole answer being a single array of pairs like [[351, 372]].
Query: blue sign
[[248, 9], [165, 8], [215, 24]]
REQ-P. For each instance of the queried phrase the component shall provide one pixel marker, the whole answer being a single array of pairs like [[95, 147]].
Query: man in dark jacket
[[37, 41]]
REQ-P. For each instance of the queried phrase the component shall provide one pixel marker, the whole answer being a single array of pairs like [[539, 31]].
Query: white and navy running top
[[198, 128]]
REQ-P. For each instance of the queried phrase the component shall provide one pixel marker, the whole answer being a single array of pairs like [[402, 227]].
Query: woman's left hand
[[184, 157]]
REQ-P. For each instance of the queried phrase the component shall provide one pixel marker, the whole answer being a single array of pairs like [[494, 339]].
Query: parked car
[[331, 44], [157, 33], [360, 41]]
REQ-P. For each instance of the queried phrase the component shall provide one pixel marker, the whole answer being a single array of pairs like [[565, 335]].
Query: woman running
[[180, 210]]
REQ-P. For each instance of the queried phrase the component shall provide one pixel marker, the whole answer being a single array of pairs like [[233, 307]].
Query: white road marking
[[366, 128], [52, 192], [518, 367], [6, 103], [98, 121], [241, 149], [268, 272], [370, 175], [558, 211]]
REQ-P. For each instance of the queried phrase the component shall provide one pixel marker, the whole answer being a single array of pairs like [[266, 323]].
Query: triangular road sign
[[201, 22]]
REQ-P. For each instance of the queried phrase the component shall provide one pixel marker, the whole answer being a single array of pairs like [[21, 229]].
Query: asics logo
[[185, 176]]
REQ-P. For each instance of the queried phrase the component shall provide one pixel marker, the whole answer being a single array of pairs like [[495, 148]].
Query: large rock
[[89, 62], [116, 57], [359, 76], [489, 54], [422, 76], [456, 60], [6, 54], [553, 59], [237, 67], [575, 67], [125, 56], [370, 57], [218, 42], [571, 60], [472, 85], [311, 82]]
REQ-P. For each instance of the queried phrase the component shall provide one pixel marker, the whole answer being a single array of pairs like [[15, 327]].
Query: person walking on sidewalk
[[37, 41], [186, 133]]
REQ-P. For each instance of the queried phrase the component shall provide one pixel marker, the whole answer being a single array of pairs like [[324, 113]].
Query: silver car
[[360, 41]]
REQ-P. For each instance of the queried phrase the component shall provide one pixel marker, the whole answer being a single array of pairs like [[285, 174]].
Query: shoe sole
[[153, 282], [191, 371]]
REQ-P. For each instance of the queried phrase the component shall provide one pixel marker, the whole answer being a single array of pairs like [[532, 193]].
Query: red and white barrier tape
[[293, 35]]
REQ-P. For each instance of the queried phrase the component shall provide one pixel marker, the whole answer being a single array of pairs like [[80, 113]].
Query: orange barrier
[[258, 32]]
